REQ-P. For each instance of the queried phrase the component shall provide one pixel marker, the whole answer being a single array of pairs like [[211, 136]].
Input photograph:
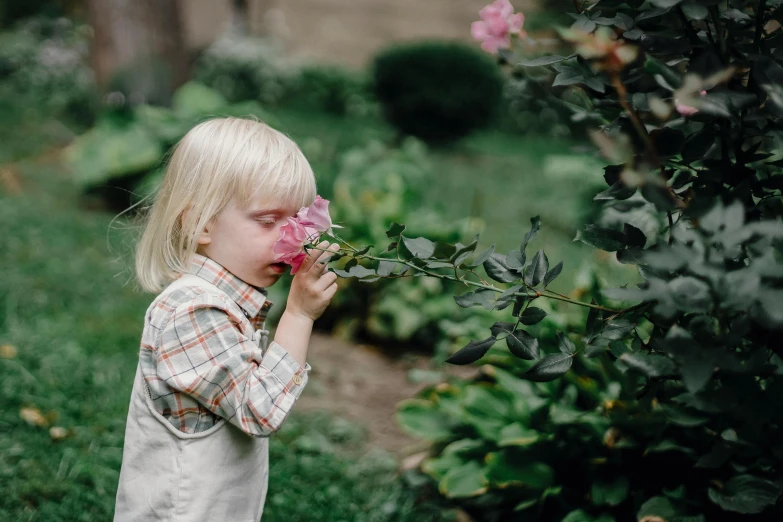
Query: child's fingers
[[312, 256], [323, 260], [325, 281]]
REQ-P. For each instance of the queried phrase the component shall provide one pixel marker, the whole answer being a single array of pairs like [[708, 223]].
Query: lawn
[[70, 331]]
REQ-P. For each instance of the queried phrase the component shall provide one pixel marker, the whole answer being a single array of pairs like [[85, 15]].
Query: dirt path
[[361, 384]]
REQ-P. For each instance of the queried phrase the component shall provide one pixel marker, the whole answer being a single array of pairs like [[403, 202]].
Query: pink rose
[[290, 245], [498, 22], [687, 110], [316, 216]]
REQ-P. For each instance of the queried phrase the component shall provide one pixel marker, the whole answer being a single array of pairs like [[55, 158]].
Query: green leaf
[[516, 260], [665, 3], [386, 268], [356, 271], [657, 507], [602, 238], [497, 269], [479, 260], [195, 99], [745, 494], [649, 365], [464, 481], [691, 294], [501, 327], [653, 66], [532, 315], [695, 11], [108, 152], [634, 236], [480, 297], [503, 470], [463, 252], [535, 226], [537, 268], [564, 344], [523, 345], [611, 493], [517, 434], [472, 352], [420, 247], [423, 419], [541, 60], [549, 368], [553, 273], [683, 416], [395, 230]]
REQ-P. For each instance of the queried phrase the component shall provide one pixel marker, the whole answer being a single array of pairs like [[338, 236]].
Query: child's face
[[242, 240]]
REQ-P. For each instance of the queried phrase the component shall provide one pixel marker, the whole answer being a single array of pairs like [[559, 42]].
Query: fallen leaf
[[32, 416], [8, 351], [58, 433]]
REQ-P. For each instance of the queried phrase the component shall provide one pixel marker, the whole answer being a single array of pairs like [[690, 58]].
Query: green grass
[[75, 324]]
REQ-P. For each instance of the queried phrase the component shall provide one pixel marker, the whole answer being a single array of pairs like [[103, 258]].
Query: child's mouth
[[279, 267]]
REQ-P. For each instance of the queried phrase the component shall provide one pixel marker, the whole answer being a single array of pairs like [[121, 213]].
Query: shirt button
[[297, 379]]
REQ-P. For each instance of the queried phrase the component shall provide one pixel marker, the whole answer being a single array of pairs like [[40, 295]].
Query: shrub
[[436, 91], [43, 68], [331, 89], [245, 68], [667, 404]]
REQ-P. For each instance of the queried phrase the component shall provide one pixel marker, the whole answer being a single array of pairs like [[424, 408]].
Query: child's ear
[[203, 238]]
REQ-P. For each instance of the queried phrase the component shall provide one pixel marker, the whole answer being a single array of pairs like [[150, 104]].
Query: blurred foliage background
[[92, 96]]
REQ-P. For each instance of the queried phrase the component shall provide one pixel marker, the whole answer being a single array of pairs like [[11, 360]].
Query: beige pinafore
[[215, 475]]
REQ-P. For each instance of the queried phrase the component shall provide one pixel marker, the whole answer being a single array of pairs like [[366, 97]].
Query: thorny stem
[[759, 25], [622, 95], [533, 293]]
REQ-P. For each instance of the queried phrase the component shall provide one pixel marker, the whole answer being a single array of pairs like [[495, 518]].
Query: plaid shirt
[[201, 359]]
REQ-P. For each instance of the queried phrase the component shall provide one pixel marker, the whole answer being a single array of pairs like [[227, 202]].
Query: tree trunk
[[138, 48], [240, 17]]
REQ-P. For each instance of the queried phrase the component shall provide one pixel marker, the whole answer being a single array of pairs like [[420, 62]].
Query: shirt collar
[[250, 298]]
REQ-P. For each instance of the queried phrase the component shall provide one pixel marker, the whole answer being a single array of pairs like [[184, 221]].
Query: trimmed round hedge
[[437, 91]]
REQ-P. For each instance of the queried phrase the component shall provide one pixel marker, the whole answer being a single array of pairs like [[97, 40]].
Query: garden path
[[362, 384]]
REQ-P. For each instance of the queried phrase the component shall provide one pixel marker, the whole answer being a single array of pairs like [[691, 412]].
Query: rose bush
[[688, 98]]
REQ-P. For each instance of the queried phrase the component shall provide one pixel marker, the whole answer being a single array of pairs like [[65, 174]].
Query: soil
[[362, 384]]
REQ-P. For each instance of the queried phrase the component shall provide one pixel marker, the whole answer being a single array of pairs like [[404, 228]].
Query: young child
[[209, 388]]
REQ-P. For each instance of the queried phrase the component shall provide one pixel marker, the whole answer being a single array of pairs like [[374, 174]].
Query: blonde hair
[[217, 160]]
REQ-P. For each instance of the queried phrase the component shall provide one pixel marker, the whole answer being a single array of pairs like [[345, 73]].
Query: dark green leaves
[[395, 230], [532, 315], [523, 345], [564, 344], [483, 256], [552, 274], [481, 297], [745, 494], [472, 352], [549, 368], [420, 247], [602, 238], [537, 269], [541, 60], [535, 226], [497, 269]]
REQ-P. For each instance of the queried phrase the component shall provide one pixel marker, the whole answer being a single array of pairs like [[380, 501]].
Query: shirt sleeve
[[204, 354]]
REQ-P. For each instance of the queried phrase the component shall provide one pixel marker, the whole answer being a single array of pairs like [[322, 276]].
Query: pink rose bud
[[498, 22], [290, 245]]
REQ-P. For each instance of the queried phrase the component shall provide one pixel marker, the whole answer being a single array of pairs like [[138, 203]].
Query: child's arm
[[311, 291], [203, 353]]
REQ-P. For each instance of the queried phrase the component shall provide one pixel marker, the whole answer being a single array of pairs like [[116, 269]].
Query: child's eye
[[268, 222]]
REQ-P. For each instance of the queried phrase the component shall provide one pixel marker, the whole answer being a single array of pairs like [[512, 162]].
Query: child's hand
[[313, 287]]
